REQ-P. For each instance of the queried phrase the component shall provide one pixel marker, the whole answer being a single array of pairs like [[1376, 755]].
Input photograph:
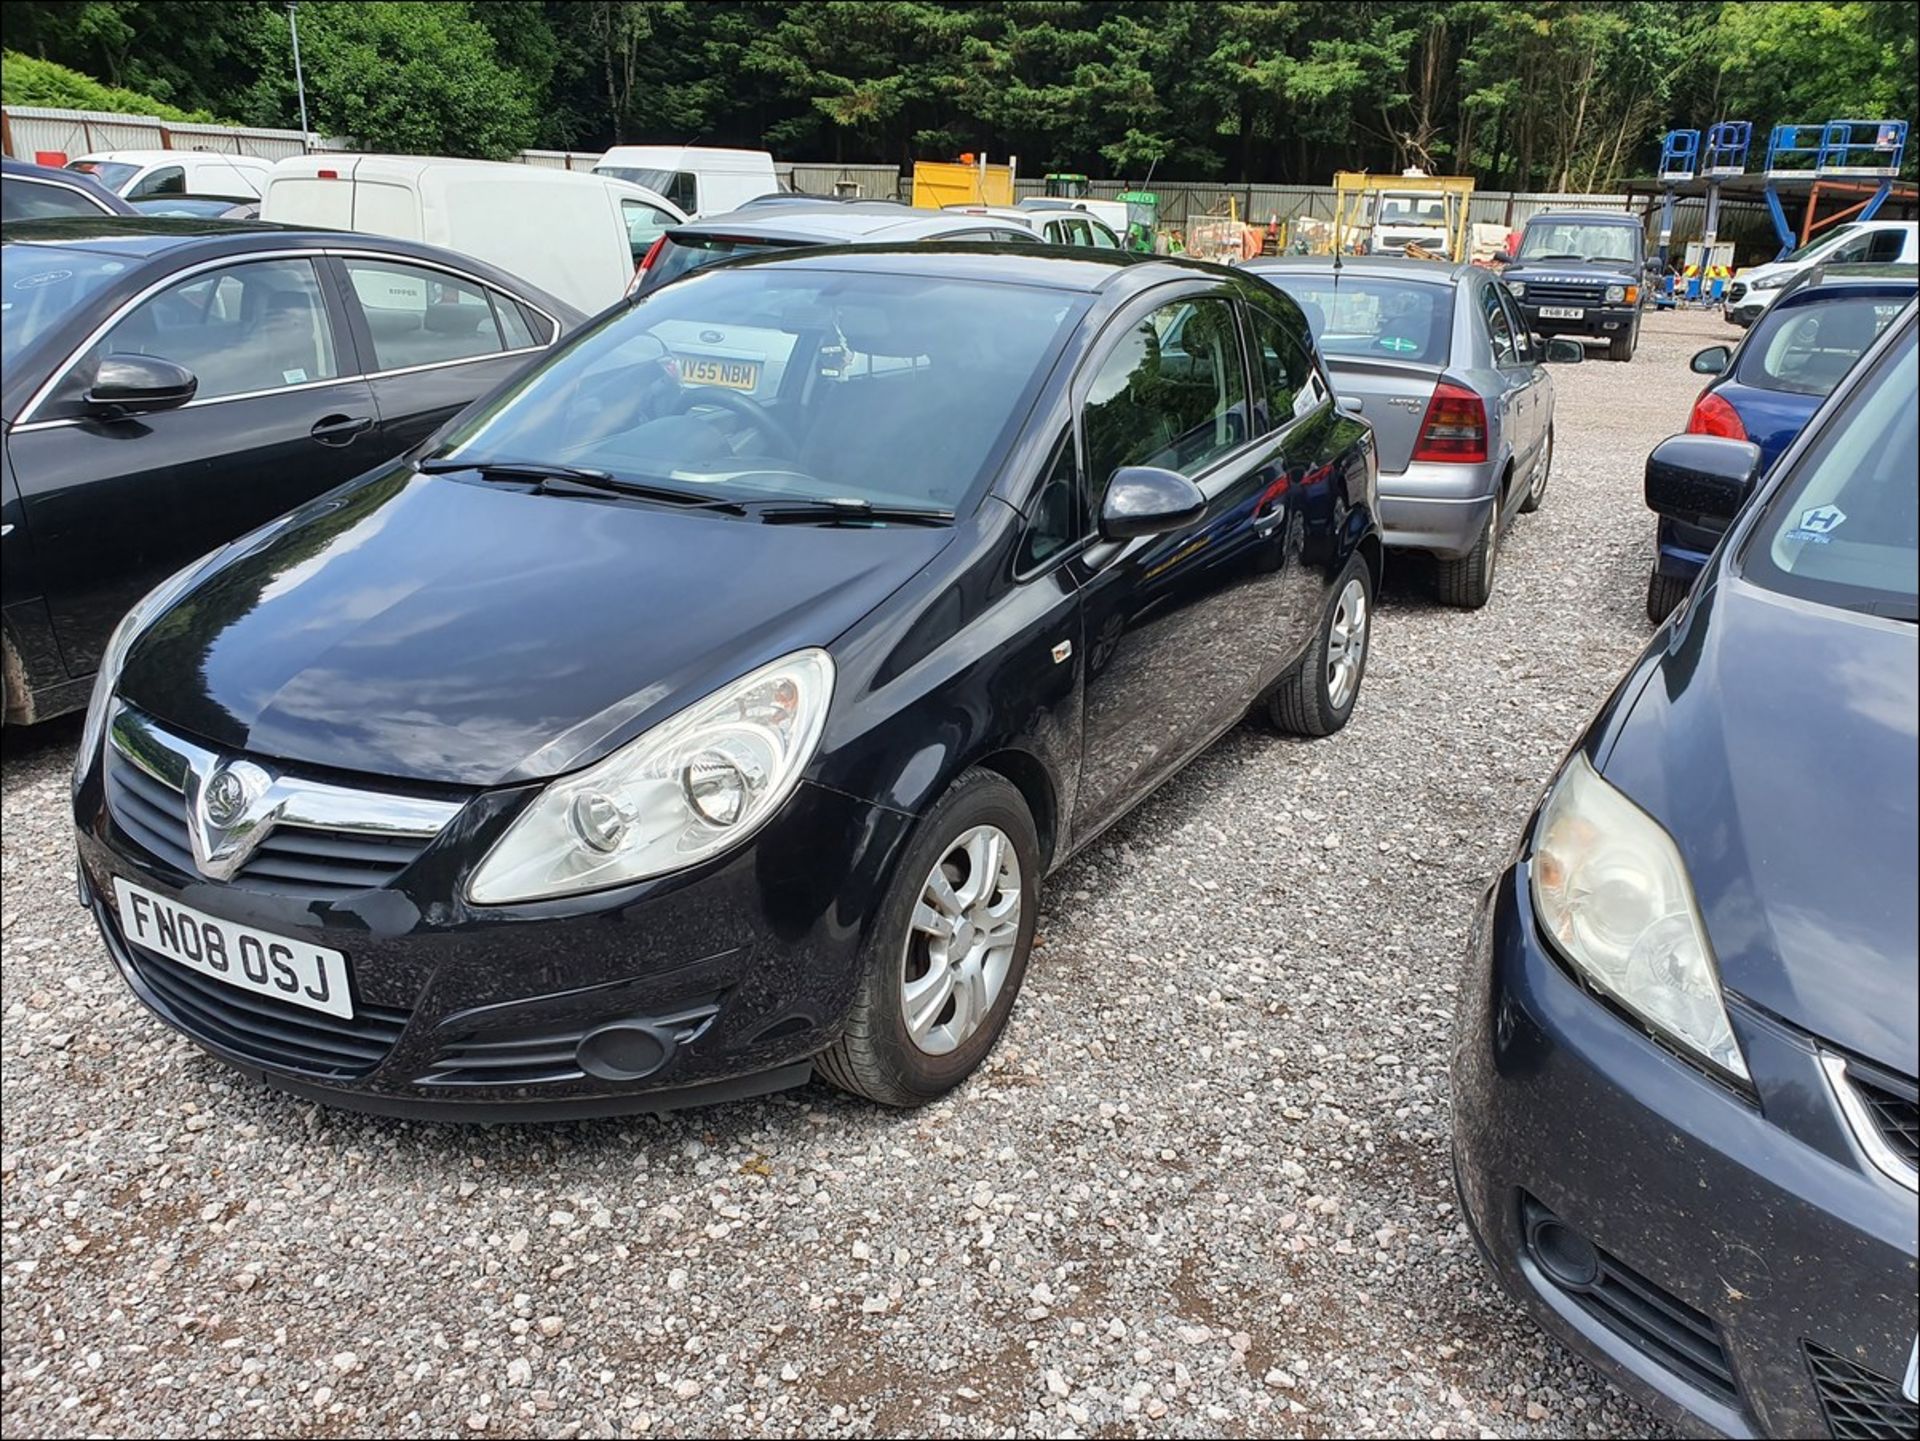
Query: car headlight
[[1518, 288], [1612, 894], [115, 655], [1616, 294], [698, 783], [1770, 282]]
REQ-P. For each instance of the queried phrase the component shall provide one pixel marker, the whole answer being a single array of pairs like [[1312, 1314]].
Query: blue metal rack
[[1679, 155], [1726, 148], [1837, 150]]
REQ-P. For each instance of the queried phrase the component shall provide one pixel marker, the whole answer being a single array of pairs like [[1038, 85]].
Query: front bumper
[[1437, 507], [1761, 1240], [1598, 322], [719, 981]]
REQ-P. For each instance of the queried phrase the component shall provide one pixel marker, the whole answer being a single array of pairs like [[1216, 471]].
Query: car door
[[1509, 403], [436, 339], [1539, 391], [280, 415], [1173, 625]]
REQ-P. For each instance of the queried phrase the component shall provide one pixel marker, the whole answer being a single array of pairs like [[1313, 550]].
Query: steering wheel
[[747, 408]]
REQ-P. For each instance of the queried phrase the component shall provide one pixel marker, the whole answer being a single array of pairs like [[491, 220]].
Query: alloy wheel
[[1347, 643], [961, 941]]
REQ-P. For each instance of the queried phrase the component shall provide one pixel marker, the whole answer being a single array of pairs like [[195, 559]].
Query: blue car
[[1684, 1121], [1770, 386]]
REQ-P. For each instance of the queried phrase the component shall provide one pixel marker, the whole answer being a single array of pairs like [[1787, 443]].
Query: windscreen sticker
[[293, 377], [1818, 524]]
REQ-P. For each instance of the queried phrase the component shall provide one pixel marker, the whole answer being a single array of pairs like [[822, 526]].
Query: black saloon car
[[170, 384], [39, 192], [1684, 1075], [643, 740]]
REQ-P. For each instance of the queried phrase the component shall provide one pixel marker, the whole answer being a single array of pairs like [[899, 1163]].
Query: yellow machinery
[[1413, 214], [969, 181]]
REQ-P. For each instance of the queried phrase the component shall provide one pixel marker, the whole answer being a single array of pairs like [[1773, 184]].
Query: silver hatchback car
[[1438, 358]]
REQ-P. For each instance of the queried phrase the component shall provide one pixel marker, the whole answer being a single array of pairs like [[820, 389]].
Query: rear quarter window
[[1805, 349]]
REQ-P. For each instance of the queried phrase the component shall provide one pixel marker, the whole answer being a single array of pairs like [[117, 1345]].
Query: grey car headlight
[[697, 784], [1611, 892], [1769, 282], [1518, 288], [1616, 294], [132, 624]]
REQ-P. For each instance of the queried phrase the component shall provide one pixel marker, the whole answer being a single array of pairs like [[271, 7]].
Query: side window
[[1103, 238], [1058, 516], [1170, 393], [1285, 373], [29, 200], [1017, 237], [1075, 231], [1885, 246], [1499, 329], [1522, 337], [422, 317], [250, 327], [645, 224], [683, 191], [513, 323], [167, 180]]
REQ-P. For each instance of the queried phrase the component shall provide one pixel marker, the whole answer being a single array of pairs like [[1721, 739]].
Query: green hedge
[[27, 81]]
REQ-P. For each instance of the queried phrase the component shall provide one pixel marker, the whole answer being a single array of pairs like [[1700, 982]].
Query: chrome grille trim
[[1866, 1131]]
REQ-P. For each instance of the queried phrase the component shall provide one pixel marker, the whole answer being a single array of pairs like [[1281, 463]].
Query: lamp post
[[299, 80]]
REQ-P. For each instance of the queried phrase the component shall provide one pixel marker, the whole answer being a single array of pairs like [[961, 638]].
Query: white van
[[136, 173], [575, 236], [1858, 242], [701, 181]]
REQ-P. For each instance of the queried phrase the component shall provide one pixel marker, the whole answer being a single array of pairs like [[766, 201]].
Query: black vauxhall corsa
[[1685, 1128], [172, 383], [644, 742]]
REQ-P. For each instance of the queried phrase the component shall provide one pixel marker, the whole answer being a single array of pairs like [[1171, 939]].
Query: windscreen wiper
[[578, 480], [847, 511]]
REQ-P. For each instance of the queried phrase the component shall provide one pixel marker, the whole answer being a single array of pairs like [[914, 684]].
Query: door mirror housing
[[1146, 500], [1714, 360], [1561, 351], [134, 384], [1701, 479]]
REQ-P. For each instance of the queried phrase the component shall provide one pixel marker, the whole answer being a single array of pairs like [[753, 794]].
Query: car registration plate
[[251, 960], [1562, 312], [729, 374]]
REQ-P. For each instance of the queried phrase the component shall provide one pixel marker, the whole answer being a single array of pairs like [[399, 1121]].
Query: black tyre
[[1467, 581], [1317, 695], [1537, 493], [941, 970], [1663, 594], [1621, 346]]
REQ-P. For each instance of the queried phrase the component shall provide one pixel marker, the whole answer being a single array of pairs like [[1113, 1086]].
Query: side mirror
[[132, 384], [1701, 479], [1561, 351], [1146, 500], [1714, 360]]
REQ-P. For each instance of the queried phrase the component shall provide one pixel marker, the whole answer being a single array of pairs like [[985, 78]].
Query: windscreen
[[114, 174], [1578, 240], [1413, 210], [1845, 528], [775, 382], [40, 286], [1807, 348], [1377, 316]]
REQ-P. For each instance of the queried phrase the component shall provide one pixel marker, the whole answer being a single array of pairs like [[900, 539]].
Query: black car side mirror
[[1561, 351], [1701, 479], [1146, 500], [1714, 360], [132, 384]]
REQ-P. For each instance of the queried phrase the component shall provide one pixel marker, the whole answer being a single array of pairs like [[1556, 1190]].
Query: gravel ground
[[1200, 1189]]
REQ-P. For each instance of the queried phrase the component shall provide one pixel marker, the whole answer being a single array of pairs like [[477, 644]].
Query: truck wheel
[[1621, 346]]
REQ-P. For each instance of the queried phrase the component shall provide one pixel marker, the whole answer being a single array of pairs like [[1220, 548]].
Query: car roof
[[157, 157], [1056, 267], [835, 222], [1397, 267]]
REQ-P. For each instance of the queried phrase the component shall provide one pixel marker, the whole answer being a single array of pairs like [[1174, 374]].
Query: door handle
[[339, 429]]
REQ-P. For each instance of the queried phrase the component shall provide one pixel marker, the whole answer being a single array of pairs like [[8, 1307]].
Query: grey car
[[1438, 358]]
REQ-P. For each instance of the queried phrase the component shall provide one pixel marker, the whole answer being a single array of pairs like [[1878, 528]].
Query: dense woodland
[[1557, 94]]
